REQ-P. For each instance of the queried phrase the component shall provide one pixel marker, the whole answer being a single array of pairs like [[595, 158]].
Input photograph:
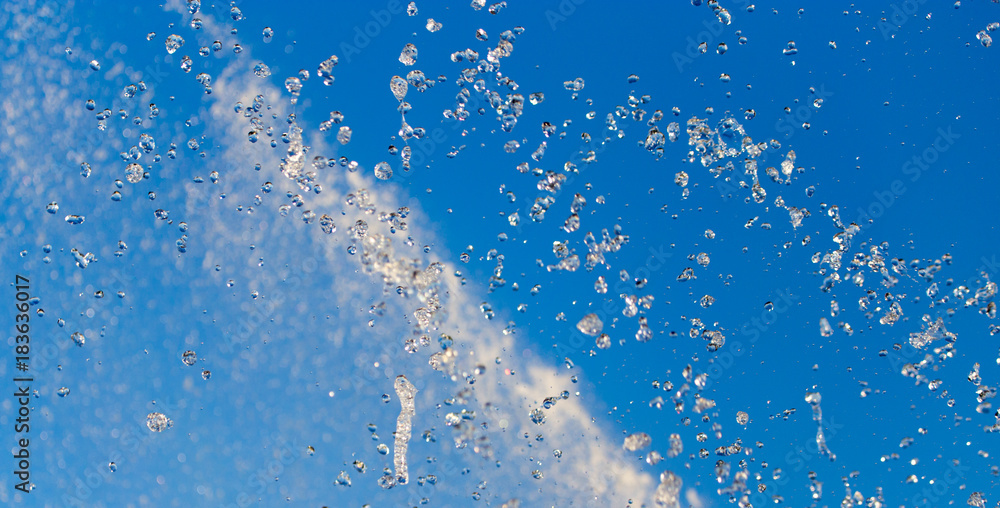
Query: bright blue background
[[887, 98]]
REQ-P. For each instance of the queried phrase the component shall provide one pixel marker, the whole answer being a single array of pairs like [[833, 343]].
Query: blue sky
[[888, 111]]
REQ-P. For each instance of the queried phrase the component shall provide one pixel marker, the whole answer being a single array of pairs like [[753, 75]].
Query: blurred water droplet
[[742, 417], [344, 137], [637, 441], [343, 479], [294, 87], [158, 422]]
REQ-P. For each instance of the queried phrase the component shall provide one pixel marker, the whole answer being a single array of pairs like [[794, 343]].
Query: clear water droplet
[[383, 171], [133, 173], [398, 86], [173, 43], [158, 422]]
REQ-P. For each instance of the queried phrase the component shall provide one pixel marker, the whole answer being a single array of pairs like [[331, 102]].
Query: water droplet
[[158, 422], [189, 357], [325, 70], [63, 391], [742, 417], [398, 86], [590, 325], [537, 416], [173, 43], [261, 70], [294, 87], [133, 173], [600, 285], [408, 56], [344, 135], [383, 171], [637, 441], [984, 38], [603, 341], [343, 479]]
